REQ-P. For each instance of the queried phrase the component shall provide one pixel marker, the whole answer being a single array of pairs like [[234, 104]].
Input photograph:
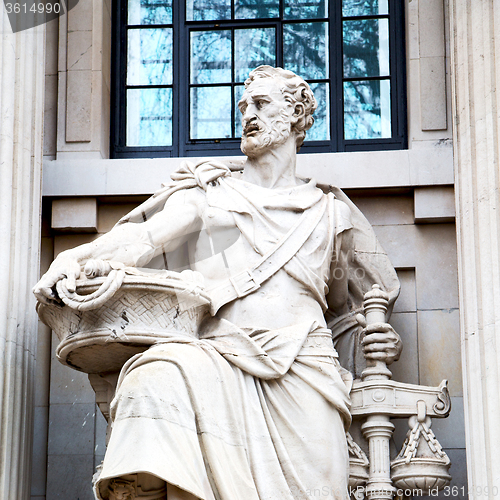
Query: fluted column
[[378, 431], [21, 119], [475, 51]]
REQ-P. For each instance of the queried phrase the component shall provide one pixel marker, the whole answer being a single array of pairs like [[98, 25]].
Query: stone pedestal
[[21, 119], [475, 29]]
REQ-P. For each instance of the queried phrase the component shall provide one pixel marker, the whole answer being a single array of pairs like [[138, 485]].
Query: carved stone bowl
[[143, 311], [421, 473]]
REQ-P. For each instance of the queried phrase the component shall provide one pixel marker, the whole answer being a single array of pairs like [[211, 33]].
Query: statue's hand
[[62, 267], [381, 343]]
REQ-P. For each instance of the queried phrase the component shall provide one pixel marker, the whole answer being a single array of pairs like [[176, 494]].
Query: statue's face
[[266, 117]]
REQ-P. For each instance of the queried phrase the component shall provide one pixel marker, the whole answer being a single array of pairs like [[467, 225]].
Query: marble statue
[[257, 405]]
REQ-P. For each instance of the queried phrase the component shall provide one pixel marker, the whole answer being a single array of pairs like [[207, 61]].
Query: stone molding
[[422, 166]]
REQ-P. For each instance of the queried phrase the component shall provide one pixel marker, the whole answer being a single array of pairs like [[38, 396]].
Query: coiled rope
[[94, 300]]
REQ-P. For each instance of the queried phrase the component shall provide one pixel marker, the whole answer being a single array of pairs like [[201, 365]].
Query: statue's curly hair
[[294, 89]]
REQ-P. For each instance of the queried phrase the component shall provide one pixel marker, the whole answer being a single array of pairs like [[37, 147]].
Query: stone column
[[378, 431], [475, 49], [21, 119]]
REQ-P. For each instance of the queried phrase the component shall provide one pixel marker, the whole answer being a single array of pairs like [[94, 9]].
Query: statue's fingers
[[39, 296], [377, 347], [44, 295], [379, 356], [73, 273], [378, 328], [361, 320], [374, 338], [71, 283]]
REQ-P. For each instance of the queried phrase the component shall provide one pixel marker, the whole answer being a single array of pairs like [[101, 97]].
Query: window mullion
[[181, 78], [233, 75], [279, 44], [124, 67], [398, 66], [336, 80], [119, 68]]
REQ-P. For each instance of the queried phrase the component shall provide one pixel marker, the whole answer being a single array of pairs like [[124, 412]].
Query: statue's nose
[[248, 119], [250, 113]]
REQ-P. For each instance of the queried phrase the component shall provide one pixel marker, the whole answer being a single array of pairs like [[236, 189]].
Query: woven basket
[[145, 310]]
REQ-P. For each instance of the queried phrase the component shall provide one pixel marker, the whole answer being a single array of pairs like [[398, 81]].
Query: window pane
[[364, 7], [149, 11], [320, 131], [149, 117], [149, 57], [367, 109], [253, 47], [304, 49], [211, 56], [302, 9], [238, 94], [206, 10], [366, 48], [210, 113], [256, 9]]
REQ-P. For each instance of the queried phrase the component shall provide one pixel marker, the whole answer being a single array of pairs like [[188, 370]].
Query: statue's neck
[[273, 168]]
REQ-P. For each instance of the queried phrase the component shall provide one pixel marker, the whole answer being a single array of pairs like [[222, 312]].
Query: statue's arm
[[131, 244], [378, 341], [338, 292]]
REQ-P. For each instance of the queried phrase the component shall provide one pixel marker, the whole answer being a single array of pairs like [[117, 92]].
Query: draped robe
[[242, 413]]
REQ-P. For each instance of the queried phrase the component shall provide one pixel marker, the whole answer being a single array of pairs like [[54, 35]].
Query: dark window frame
[[183, 147]]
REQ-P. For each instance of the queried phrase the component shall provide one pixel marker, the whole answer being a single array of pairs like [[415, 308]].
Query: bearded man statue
[[257, 407]]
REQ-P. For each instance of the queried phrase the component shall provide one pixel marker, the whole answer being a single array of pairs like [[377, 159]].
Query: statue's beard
[[269, 136]]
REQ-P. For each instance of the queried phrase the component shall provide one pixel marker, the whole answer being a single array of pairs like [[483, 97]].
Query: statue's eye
[[260, 104]]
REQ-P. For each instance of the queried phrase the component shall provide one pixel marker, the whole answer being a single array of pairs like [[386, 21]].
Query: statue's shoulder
[[342, 213], [204, 172], [342, 209], [194, 195]]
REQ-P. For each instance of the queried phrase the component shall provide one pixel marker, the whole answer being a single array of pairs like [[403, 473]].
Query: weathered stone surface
[[439, 348], [77, 467]]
